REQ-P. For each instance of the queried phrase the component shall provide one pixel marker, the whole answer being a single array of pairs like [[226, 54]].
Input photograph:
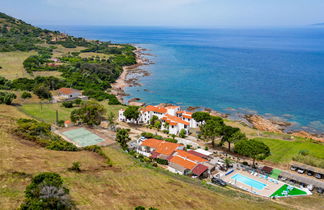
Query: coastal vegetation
[[40, 133], [254, 149], [46, 191], [90, 113], [34, 148]]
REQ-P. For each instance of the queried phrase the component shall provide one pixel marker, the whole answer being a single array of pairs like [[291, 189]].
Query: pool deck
[[267, 191]]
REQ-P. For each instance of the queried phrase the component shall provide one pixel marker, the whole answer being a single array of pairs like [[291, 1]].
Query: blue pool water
[[268, 71], [248, 181]]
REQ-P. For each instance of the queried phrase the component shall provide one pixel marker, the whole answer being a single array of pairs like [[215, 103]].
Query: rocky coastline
[[130, 78]]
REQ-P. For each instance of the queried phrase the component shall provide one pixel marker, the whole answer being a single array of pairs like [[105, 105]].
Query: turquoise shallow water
[[273, 72]]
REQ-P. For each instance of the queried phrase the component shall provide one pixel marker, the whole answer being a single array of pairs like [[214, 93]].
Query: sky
[[183, 13]]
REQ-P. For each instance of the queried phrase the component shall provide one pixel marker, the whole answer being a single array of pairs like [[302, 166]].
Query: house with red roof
[[155, 148], [172, 117], [187, 116], [184, 163], [67, 94]]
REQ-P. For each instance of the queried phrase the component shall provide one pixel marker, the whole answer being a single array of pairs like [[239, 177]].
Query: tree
[[7, 98], [122, 137], [182, 133], [157, 124], [25, 95], [46, 191], [90, 113], [111, 118], [232, 135], [153, 119], [212, 128], [132, 113], [254, 149], [227, 162], [42, 91], [201, 116]]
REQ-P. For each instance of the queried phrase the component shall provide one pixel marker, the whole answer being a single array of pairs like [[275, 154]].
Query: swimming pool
[[248, 181]]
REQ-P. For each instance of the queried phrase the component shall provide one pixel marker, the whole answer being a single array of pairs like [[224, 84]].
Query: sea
[[274, 72]]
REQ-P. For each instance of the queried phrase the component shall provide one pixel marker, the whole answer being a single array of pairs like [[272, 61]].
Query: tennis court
[[82, 137]]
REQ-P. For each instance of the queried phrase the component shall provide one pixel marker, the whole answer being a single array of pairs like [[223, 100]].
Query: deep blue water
[[276, 72]]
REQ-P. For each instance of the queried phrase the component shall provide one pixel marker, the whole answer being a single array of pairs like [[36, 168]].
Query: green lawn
[[283, 151], [292, 192], [47, 112]]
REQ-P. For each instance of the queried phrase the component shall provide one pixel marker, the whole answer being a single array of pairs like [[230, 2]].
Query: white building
[[172, 117], [68, 94]]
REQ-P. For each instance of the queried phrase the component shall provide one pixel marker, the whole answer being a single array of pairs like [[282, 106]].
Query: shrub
[[40, 133], [68, 104], [182, 133], [61, 145], [77, 101], [46, 191], [304, 152], [75, 167], [60, 123], [162, 161], [165, 131], [139, 208], [147, 135], [171, 140], [25, 95], [189, 146], [7, 98]]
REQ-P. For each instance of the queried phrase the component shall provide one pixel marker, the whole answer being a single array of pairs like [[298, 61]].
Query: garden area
[[283, 151]]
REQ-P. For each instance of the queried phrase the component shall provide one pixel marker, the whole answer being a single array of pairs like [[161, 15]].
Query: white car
[[300, 171]]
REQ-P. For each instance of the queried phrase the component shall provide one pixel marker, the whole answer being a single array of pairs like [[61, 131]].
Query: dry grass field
[[12, 64], [125, 185]]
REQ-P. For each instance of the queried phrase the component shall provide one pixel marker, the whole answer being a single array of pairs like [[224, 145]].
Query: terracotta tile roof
[[182, 162], [187, 116], [67, 91], [199, 169], [190, 156], [162, 147], [197, 154], [172, 107], [184, 112], [169, 118], [156, 109]]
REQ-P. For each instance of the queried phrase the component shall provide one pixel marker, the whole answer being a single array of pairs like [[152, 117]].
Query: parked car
[[310, 187], [293, 168], [300, 171], [320, 190], [218, 181], [318, 176], [310, 173]]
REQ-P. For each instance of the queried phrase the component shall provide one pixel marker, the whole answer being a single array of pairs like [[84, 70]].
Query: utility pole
[[57, 117]]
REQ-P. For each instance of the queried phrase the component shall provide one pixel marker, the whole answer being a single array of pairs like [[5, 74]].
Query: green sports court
[[82, 137]]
